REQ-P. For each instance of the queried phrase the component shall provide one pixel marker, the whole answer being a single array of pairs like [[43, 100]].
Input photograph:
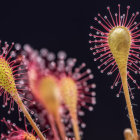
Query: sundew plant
[[73, 88], [51, 92], [117, 47], [55, 92]]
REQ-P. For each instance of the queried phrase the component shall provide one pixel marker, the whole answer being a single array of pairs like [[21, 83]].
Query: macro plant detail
[[47, 95], [44, 89], [15, 133], [118, 48], [72, 89], [10, 72], [76, 91]]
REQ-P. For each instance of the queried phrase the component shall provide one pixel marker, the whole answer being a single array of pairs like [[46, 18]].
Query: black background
[[64, 25]]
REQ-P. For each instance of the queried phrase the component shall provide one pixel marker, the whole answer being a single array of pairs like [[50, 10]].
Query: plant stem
[[52, 123], [60, 127], [128, 102], [75, 128], [18, 100]]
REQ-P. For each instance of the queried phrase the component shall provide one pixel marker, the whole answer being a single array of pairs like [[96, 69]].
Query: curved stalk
[[18, 100], [128, 102]]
